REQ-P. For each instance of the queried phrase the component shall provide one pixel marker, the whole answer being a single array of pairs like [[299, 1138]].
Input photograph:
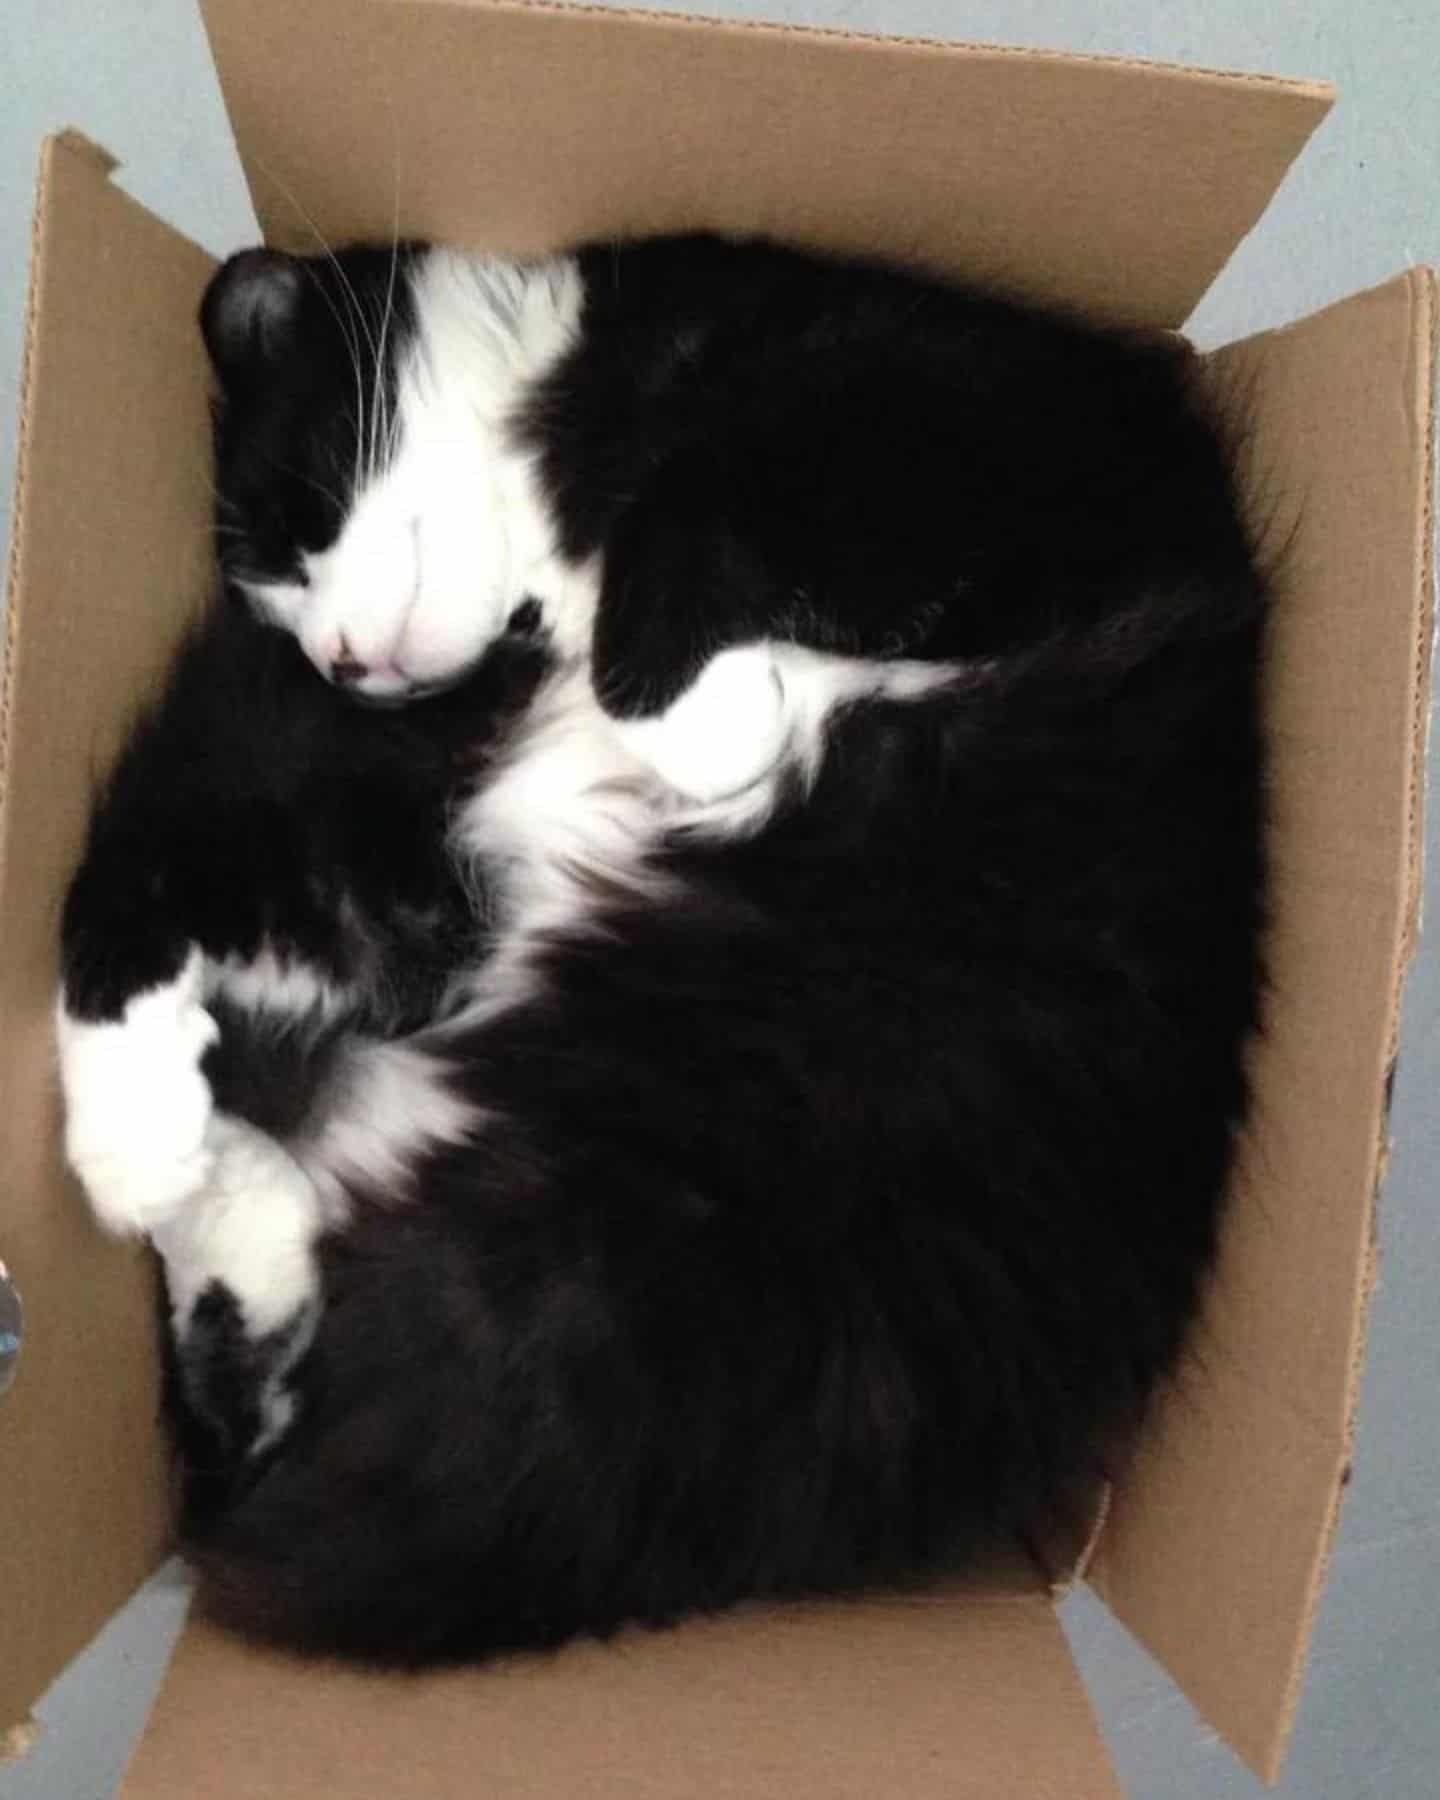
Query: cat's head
[[365, 499]]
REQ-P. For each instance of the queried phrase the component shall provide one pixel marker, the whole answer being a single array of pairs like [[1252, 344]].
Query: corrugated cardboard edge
[[1315, 89], [11, 638], [1426, 652], [620, 81], [80, 145], [927, 1697], [1427, 287], [1267, 1732], [1423, 287], [18, 1739], [39, 207], [57, 563]]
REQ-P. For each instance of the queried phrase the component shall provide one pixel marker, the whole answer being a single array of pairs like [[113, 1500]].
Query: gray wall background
[[1362, 204]]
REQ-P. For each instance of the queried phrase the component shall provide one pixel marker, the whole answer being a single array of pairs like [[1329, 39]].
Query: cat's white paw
[[253, 1229], [725, 733], [137, 1105], [246, 1242]]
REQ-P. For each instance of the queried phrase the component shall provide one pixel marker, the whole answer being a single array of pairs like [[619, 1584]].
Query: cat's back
[[868, 423]]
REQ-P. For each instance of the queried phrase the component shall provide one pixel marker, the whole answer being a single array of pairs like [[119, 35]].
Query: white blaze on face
[[447, 534], [416, 585]]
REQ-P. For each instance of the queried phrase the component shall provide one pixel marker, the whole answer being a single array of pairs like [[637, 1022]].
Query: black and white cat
[[724, 1085]]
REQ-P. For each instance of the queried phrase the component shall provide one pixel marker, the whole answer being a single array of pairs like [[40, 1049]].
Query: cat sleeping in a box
[[719, 1080]]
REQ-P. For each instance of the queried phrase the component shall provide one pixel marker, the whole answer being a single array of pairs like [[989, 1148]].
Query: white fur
[[580, 802], [391, 1106], [137, 1106], [791, 724], [253, 1226], [725, 733], [569, 800], [268, 983], [570, 807], [816, 685], [752, 712], [448, 532], [576, 808]]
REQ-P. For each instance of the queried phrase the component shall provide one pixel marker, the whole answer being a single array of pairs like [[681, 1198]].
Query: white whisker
[[353, 301]]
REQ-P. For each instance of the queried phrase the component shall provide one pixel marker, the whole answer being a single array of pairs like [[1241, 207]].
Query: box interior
[[1215, 1548], [108, 555], [1116, 187], [1119, 187], [959, 1696]]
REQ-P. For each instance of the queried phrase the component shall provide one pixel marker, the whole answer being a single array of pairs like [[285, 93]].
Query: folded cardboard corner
[[1216, 1545], [1120, 186], [1115, 187], [947, 1697], [109, 535]]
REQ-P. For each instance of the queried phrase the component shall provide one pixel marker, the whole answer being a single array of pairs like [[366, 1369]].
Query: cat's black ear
[[250, 309]]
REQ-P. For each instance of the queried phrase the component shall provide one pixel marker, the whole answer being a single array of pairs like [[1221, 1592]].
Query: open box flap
[[1217, 1541], [938, 1698], [108, 546], [1118, 186]]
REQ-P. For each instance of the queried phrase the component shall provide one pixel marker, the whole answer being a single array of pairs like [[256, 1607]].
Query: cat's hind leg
[[243, 1287]]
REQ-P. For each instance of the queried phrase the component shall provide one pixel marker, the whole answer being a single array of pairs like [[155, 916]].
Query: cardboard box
[[1117, 186]]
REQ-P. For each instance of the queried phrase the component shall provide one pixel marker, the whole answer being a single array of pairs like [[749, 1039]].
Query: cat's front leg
[[724, 734], [137, 1103], [131, 1025], [677, 586], [681, 656]]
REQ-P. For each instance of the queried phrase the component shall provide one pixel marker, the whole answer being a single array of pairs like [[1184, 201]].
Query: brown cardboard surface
[[1117, 186], [1217, 1541], [1113, 185], [927, 1699], [109, 533]]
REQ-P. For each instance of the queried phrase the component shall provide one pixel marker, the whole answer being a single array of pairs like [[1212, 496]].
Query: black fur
[[770, 443], [837, 1220], [288, 340], [255, 806]]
